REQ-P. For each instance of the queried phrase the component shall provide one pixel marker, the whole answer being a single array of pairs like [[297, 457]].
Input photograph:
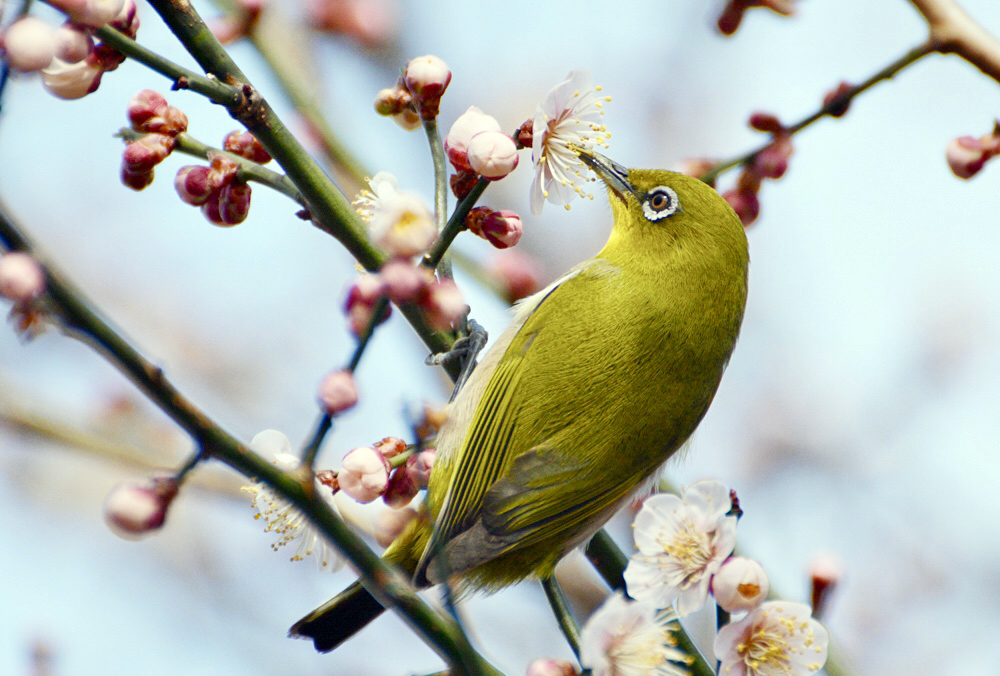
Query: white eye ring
[[660, 202]]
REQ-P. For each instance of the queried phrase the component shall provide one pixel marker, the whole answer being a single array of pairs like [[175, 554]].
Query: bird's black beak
[[612, 173]]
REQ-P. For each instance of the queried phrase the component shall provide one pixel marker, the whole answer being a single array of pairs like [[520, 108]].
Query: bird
[[598, 380]]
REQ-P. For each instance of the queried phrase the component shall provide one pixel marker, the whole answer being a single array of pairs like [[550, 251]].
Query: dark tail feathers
[[339, 618]]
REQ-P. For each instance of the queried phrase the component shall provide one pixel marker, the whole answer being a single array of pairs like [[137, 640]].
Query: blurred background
[[857, 421]]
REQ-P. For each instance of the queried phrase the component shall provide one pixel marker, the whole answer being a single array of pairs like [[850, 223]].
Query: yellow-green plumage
[[599, 379]]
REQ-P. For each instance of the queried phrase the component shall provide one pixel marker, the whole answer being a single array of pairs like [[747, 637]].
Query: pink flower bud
[[516, 274], [444, 304], [550, 667], [210, 209], [145, 153], [21, 277], [772, 161], [966, 156], [371, 22], [146, 105], [407, 119], [427, 78], [29, 44], [223, 170], [732, 13], [400, 490], [492, 154], [136, 180], [364, 474], [337, 392], [246, 145], [403, 280], [360, 302], [745, 204], [824, 575], [463, 182], [456, 144], [838, 99], [526, 133], [741, 584], [132, 510], [234, 203], [193, 185], [390, 447], [72, 80], [393, 100], [390, 523], [501, 228], [766, 122], [73, 43]]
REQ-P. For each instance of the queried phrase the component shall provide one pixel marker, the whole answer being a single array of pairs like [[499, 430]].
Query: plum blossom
[[777, 639], [568, 120], [280, 516], [682, 542], [400, 222], [625, 637], [740, 585]]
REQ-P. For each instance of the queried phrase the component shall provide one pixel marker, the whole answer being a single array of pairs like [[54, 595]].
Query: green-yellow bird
[[598, 380]]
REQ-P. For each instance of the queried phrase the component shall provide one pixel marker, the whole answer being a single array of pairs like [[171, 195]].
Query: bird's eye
[[660, 202]]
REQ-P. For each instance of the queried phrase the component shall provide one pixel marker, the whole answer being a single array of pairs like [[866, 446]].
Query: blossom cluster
[[70, 61], [160, 123]]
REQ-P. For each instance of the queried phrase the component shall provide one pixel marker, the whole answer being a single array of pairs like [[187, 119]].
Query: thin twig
[[562, 612]]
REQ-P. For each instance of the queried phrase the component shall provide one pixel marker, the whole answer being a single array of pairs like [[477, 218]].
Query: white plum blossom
[[630, 638], [280, 516], [568, 120], [740, 585], [776, 639], [399, 222], [682, 542]]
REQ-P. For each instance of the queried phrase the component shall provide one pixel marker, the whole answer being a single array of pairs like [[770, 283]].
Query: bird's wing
[[498, 435]]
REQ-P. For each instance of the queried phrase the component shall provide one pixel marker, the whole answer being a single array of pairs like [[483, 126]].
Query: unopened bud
[[144, 106], [21, 277], [503, 228], [337, 392], [745, 204], [72, 80], [403, 280], [766, 122], [463, 182], [146, 152], [136, 180], [515, 273], [132, 510], [193, 185], [391, 522], [550, 667], [444, 304], [234, 203], [492, 154], [824, 575], [246, 145], [427, 78], [456, 144], [96, 13], [29, 44], [741, 584], [526, 133], [73, 43], [360, 303], [966, 156], [364, 474], [838, 99], [772, 161]]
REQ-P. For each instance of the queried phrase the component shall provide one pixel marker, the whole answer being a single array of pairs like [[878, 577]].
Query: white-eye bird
[[597, 381]]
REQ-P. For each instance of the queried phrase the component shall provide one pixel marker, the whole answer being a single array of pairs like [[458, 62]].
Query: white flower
[[280, 516], [682, 542], [629, 638], [777, 639], [568, 119], [400, 222], [740, 585]]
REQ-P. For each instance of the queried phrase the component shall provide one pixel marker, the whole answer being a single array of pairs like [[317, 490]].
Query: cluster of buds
[[771, 162], [132, 510], [732, 13], [500, 228], [417, 94], [401, 282], [224, 198], [967, 155], [71, 63], [149, 113], [370, 472], [476, 147], [22, 281]]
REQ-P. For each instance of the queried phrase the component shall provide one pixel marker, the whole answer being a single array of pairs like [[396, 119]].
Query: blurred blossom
[[568, 120], [132, 510], [337, 392], [502, 229], [515, 273], [391, 522], [72, 80], [444, 304], [280, 516], [21, 277], [361, 300], [399, 222], [824, 575], [732, 13], [777, 639], [94, 13], [630, 637], [404, 281], [840, 93], [370, 22], [967, 155], [740, 585], [550, 667], [29, 44], [456, 144], [681, 542], [745, 204]]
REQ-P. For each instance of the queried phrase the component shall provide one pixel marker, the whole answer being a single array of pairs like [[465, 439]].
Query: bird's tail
[[351, 610], [339, 618]]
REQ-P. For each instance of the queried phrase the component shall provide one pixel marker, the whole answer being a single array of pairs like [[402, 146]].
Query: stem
[[385, 582], [209, 87], [440, 188], [953, 31], [455, 224], [560, 608], [836, 103], [248, 170]]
